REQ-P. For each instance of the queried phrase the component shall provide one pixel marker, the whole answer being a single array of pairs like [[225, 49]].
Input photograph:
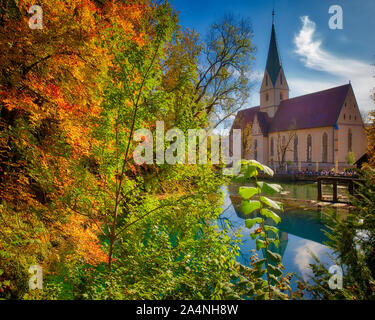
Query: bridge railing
[[342, 187]]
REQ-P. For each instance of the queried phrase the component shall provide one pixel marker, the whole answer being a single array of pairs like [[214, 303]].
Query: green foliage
[[99, 225], [350, 158], [266, 234], [352, 238]]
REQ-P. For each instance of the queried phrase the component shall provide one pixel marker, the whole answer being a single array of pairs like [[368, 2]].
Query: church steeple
[[274, 87], [273, 60]]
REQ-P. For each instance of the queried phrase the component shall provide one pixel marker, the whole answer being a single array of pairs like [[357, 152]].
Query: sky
[[314, 57]]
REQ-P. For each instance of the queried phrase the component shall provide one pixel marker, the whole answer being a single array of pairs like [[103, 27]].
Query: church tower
[[274, 87]]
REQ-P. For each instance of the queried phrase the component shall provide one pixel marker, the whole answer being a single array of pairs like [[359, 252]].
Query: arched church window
[[266, 81], [272, 146], [309, 148], [267, 97], [344, 116], [295, 150], [256, 149], [350, 140], [325, 147], [281, 78]]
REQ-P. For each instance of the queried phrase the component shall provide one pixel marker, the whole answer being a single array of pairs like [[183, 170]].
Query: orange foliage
[[50, 94], [83, 234]]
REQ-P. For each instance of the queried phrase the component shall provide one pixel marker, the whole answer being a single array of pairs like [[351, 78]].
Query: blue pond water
[[300, 232]]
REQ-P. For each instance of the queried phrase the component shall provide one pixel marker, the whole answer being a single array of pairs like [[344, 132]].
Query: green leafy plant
[[352, 238], [266, 234]]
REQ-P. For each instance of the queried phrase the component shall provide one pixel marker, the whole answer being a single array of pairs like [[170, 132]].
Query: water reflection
[[300, 233]]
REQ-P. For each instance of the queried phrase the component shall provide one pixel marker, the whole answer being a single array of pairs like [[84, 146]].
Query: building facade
[[321, 130]]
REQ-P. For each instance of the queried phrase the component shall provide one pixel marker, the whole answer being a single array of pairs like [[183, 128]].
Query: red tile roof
[[247, 116], [264, 122], [244, 117], [319, 109]]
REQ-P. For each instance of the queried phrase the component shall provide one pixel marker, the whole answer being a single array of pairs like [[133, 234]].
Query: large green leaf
[[274, 279], [259, 273], [260, 284], [273, 229], [271, 203], [249, 206], [270, 188], [276, 271], [264, 168], [268, 171], [254, 235], [250, 172], [260, 244], [276, 243], [259, 263], [270, 214], [250, 222], [247, 192], [273, 256]]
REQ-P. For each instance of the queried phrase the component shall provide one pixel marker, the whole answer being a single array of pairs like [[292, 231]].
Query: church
[[317, 131]]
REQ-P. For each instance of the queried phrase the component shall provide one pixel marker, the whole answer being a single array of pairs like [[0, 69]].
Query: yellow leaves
[[9, 104], [54, 85], [23, 180], [83, 236]]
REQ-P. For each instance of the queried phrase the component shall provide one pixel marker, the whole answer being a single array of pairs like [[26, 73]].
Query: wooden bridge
[[336, 189]]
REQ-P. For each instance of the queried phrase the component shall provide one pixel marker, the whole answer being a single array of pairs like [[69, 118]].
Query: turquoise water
[[300, 232]]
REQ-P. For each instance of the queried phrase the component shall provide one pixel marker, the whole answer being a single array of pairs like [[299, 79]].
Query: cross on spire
[[273, 16]]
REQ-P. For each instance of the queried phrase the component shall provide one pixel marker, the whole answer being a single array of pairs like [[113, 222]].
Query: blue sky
[[314, 57]]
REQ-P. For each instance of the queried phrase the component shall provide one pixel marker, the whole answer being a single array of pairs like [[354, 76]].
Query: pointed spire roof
[[273, 60]]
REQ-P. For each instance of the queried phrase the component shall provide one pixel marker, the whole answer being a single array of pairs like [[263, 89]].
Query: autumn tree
[[49, 98], [73, 200]]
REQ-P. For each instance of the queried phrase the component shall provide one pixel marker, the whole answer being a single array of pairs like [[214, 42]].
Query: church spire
[[274, 87], [273, 66]]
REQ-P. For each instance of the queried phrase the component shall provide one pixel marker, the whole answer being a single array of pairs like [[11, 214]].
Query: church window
[[281, 78], [281, 96], [309, 148], [266, 81], [267, 97], [350, 140], [256, 149], [272, 152], [350, 117], [344, 116], [325, 147], [296, 148]]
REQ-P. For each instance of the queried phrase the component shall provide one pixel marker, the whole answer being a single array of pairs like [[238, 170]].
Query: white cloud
[[300, 86], [303, 257], [315, 57]]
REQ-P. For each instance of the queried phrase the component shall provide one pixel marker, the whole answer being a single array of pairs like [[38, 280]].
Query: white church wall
[[316, 146]]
